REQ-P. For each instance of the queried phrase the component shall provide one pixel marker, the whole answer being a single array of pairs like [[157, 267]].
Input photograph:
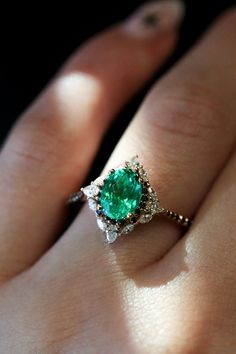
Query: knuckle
[[32, 145], [191, 112], [40, 140], [53, 127]]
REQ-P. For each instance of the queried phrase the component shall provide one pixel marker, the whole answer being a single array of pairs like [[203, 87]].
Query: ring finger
[[178, 129]]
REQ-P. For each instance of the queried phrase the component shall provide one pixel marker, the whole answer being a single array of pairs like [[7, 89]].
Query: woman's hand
[[150, 292]]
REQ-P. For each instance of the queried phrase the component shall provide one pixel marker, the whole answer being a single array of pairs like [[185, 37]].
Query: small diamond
[[153, 195], [145, 218], [143, 173], [99, 181], [92, 204], [112, 228], [127, 229], [134, 163], [151, 191], [111, 235], [155, 208], [101, 224], [91, 190]]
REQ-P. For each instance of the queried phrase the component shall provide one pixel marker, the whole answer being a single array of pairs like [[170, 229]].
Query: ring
[[123, 199]]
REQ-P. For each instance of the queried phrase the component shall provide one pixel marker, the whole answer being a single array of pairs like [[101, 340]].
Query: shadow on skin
[[168, 268], [142, 255]]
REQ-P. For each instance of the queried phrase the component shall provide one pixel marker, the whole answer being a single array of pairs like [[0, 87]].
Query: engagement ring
[[123, 199]]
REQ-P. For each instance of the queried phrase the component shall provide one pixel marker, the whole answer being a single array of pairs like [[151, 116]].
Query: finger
[[49, 151], [202, 266], [186, 119]]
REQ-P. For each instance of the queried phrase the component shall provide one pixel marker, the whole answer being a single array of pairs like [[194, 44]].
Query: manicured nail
[[154, 17]]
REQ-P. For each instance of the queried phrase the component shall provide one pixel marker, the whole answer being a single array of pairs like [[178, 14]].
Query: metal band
[[76, 197], [179, 219]]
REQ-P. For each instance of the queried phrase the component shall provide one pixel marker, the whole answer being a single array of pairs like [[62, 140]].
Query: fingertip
[[155, 18]]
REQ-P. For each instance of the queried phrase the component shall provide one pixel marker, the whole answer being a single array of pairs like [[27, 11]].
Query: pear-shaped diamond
[[91, 191]]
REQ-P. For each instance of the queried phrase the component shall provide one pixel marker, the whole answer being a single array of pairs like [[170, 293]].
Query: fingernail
[[155, 17]]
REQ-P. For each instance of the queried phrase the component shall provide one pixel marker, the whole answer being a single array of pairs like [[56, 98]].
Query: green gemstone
[[121, 194]]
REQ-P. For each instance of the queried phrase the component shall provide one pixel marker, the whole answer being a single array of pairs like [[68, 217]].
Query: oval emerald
[[121, 194]]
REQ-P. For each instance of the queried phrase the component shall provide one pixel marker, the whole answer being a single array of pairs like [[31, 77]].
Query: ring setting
[[123, 199]]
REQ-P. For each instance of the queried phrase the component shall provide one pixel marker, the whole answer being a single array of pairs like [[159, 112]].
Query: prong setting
[[147, 208]]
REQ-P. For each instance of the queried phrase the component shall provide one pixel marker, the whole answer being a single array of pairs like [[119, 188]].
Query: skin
[[154, 291]]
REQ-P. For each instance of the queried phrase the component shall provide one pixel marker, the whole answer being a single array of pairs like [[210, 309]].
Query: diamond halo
[[143, 209]]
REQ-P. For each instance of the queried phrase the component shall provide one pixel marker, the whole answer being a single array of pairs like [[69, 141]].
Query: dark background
[[36, 39]]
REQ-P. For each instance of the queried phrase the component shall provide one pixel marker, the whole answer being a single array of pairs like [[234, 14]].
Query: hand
[[152, 291]]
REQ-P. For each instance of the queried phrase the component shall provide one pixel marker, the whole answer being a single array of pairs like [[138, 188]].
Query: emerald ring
[[123, 199]]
